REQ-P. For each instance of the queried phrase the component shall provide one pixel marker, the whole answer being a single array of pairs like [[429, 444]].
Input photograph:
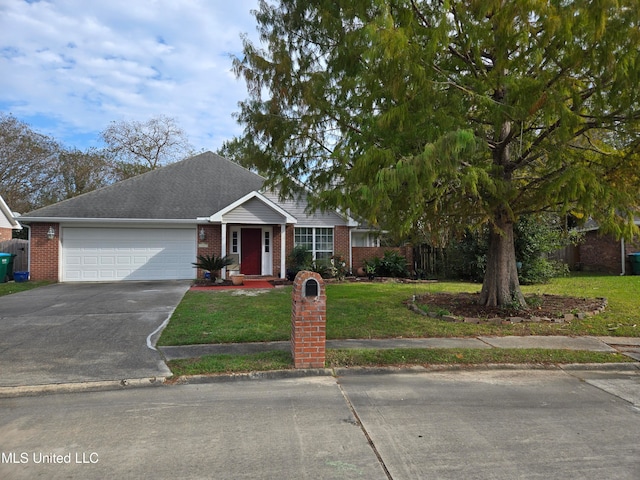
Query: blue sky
[[69, 67]]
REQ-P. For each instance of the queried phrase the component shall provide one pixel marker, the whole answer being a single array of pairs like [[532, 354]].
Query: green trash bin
[[634, 258], [6, 267]]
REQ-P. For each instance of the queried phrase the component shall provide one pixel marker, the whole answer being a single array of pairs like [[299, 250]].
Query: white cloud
[[69, 67]]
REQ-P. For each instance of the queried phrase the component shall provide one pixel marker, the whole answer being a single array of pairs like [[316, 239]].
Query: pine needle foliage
[[452, 114]]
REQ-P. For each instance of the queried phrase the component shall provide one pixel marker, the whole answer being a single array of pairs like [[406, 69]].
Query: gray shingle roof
[[196, 187]]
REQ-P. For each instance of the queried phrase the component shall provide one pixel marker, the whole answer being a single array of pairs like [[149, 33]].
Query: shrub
[[392, 264], [321, 267], [535, 237], [338, 267], [300, 258], [468, 256]]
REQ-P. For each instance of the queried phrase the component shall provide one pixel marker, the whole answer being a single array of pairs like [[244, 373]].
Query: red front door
[[251, 248]]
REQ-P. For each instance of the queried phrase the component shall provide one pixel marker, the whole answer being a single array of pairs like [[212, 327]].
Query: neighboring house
[[603, 253], [8, 223], [152, 227]]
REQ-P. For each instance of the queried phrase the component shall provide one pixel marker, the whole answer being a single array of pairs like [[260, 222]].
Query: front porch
[[258, 251]]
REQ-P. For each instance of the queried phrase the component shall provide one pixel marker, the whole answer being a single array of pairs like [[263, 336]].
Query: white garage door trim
[[112, 254]]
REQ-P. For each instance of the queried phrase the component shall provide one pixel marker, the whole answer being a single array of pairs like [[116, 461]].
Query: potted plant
[[212, 264], [369, 269]]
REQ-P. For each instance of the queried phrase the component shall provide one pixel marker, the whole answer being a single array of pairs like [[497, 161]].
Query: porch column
[[283, 250], [223, 246]]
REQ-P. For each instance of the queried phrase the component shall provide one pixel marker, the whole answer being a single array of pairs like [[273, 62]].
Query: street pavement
[[467, 424], [570, 421]]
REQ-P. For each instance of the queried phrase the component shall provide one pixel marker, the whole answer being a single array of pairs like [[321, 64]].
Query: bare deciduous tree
[[27, 159], [153, 143], [81, 172]]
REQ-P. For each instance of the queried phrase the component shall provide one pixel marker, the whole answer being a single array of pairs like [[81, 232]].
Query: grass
[[376, 310], [279, 360], [467, 356], [222, 317], [12, 287], [209, 364]]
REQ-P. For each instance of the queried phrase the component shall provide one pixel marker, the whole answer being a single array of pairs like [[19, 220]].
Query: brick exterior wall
[[5, 234], [289, 235], [211, 245], [360, 254], [275, 248], [45, 253], [602, 253], [341, 241], [308, 323]]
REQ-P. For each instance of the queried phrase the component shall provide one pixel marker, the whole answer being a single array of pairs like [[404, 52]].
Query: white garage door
[[107, 254]]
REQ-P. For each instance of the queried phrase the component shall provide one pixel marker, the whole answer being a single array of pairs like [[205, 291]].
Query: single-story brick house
[[8, 223], [604, 253], [152, 227]]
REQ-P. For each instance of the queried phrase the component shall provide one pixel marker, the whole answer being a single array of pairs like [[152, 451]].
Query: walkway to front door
[[251, 248]]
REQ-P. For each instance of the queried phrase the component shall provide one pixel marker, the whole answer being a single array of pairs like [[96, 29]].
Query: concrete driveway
[[67, 333]]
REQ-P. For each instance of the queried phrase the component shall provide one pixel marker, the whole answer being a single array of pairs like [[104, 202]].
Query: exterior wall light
[[51, 233], [202, 235]]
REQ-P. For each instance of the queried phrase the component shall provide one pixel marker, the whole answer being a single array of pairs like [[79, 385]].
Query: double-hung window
[[318, 240]]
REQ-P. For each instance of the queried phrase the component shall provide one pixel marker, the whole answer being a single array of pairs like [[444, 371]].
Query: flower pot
[[237, 279]]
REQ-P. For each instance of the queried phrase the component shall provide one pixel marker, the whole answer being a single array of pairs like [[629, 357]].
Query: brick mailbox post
[[308, 321]]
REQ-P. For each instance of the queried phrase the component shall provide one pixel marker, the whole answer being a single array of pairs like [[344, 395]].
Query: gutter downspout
[[28, 227], [622, 256]]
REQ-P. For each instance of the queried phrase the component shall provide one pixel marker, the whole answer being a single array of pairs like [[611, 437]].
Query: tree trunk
[[501, 286]]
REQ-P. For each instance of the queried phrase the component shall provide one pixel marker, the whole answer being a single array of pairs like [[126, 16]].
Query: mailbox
[[308, 321], [311, 288]]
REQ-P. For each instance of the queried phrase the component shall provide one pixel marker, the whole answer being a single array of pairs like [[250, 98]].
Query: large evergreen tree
[[451, 113]]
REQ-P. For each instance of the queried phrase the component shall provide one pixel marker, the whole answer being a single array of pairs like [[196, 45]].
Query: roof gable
[[250, 200], [7, 220]]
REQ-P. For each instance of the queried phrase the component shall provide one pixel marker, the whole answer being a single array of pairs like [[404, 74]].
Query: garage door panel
[[108, 254]]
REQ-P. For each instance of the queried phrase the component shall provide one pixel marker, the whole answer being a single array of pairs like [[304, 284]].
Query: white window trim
[[267, 257], [314, 249], [235, 230]]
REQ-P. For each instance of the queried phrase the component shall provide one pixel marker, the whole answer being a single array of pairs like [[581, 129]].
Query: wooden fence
[[429, 261], [21, 249]]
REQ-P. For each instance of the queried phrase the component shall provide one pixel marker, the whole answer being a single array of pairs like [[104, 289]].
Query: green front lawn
[[376, 310], [12, 287], [279, 360]]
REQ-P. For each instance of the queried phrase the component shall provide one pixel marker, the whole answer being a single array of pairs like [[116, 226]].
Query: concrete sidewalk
[[628, 345]]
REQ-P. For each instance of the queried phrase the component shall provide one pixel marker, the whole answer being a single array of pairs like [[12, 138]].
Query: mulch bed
[[542, 307]]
